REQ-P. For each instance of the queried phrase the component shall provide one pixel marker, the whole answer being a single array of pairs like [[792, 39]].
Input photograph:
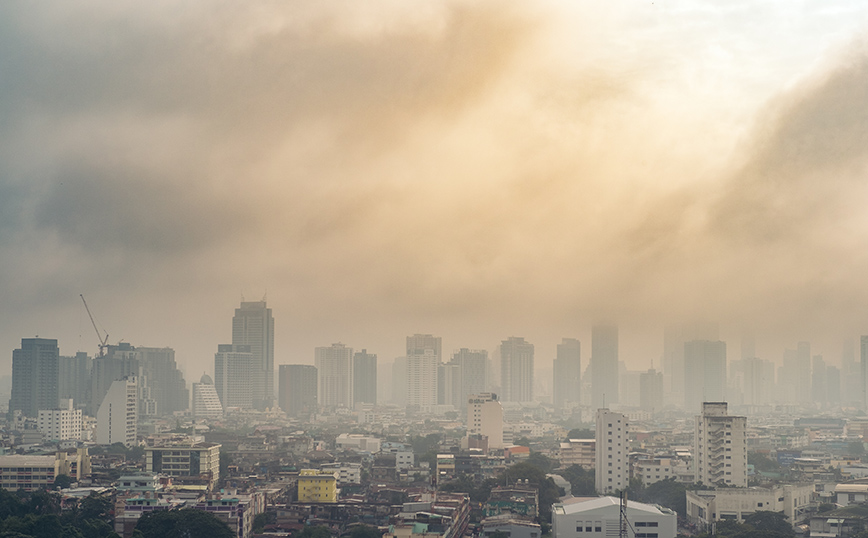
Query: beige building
[[485, 417], [31, 473], [580, 452], [707, 506], [720, 447]]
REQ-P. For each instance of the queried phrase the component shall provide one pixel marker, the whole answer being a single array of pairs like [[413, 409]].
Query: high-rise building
[[516, 370], [116, 418], [400, 393], [334, 366], [253, 326], [424, 352], [485, 417], [567, 372], [162, 386], [449, 384], [364, 377], [35, 370], [803, 372], [704, 373], [473, 364], [235, 376], [604, 365], [120, 361], [651, 390], [759, 380], [297, 389], [613, 464], [720, 447], [818, 381], [74, 379], [863, 361], [206, 401]]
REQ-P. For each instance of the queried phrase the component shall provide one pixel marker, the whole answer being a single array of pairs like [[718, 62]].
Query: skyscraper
[[473, 364], [334, 366], [604, 365], [863, 361], [612, 462], [651, 390], [161, 382], [120, 361], [297, 389], [567, 372], [365, 377], [253, 326], [423, 358], [116, 418], [35, 370], [704, 373], [516, 370], [235, 376], [74, 378]]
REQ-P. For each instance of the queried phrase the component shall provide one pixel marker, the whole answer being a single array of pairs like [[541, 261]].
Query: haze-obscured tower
[[35, 370], [863, 361], [253, 326], [235, 376], [567, 373], [651, 390], [298, 389], [334, 366], [604, 365], [365, 377], [424, 353], [704, 373], [74, 379], [516, 370], [473, 364]]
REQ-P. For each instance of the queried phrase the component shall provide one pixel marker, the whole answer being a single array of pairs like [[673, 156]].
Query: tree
[[263, 519], [365, 531], [313, 532], [668, 493], [581, 480], [186, 523], [62, 481], [95, 507], [770, 522], [581, 433]]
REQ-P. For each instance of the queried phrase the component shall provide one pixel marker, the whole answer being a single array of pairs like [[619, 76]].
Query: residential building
[[516, 370], [604, 366], [253, 325], [720, 446], [297, 393], [198, 460], [473, 365], [567, 372], [35, 371], [598, 517], [657, 469], [120, 361], [424, 353], [582, 452], [32, 473], [707, 506], [511, 526], [206, 401], [612, 464], [74, 378], [162, 387], [348, 473], [236, 376], [449, 384], [60, 424], [485, 417], [316, 486], [364, 377], [334, 366], [116, 418], [237, 511], [651, 390]]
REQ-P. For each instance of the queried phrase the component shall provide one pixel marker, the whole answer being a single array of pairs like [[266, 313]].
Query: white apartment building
[[206, 402], [485, 417], [599, 517], [720, 447], [707, 506], [348, 473], [658, 469], [116, 417], [60, 424], [613, 468]]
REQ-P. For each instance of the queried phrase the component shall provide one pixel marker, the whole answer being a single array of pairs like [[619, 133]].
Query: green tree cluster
[[38, 515], [581, 480], [186, 523], [762, 524]]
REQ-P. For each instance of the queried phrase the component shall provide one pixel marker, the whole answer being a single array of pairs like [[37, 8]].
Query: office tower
[[628, 386], [851, 374], [474, 372], [759, 380], [673, 365], [719, 447], [818, 381], [162, 386], [803, 372], [516, 370], [235, 376], [449, 385], [651, 390], [116, 420], [863, 362], [120, 361], [613, 465], [60, 424], [567, 374], [35, 369], [833, 384], [704, 373], [253, 326], [399, 381], [297, 389], [206, 401], [748, 345], [334, 366], [604, 365], [74, 379], [485, 417], [423, 358], [364, 377]]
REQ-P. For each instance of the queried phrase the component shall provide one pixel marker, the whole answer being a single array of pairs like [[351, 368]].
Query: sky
[[475, 170]]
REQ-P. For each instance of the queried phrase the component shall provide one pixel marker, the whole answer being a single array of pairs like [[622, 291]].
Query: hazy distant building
[[833, 384], [674, 337], [863, 361], [704, 373], [364, 377], [161, 382], [720, 447], [485, 417], [298, 389], [516, 370], [334, 366], [759, 380], [423, 357], [818, 381], [613, 464], [116, 418], [567, 373], [120, 361], [253, 326], [474, 371], [449, 384], [803, 372], [604, 366], [74, 379], [651, 390], [35, 370], [236, 378], [420, 343], [206, 402], [399, 381]]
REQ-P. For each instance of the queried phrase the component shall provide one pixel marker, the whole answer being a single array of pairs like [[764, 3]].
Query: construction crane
[[103, 342]]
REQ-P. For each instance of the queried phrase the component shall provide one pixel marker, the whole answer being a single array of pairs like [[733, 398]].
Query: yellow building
[[315, 486]]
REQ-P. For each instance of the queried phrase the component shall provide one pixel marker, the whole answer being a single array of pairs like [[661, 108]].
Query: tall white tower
[[116, 418], [612, 469], [720, 447]]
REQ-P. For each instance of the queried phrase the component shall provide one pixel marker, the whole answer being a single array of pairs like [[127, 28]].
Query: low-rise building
[[31, 473], [578, 452], [348, 473], [317, 486], [598, 517], [198, 460], [707, 506], [512, 526]]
